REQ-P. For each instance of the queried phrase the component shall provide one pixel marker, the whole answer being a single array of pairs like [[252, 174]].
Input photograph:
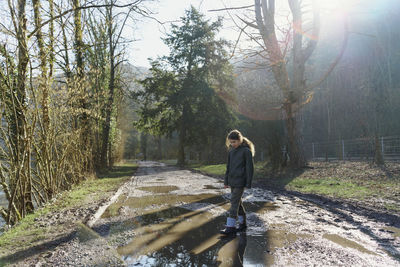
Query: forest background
[[72, 105]]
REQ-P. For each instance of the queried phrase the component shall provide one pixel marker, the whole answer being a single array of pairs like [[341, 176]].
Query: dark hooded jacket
[[240, 167]]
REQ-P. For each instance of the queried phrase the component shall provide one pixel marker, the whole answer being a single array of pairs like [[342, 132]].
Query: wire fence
[[355, 149]]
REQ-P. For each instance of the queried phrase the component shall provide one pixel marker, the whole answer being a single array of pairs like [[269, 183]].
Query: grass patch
[[93, 189], [330, 186], [220, 169], [27, 233], [350, 180], [169, 161], [346, 180]]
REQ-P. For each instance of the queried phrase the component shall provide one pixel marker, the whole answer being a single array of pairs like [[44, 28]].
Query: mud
[[181, 227], [207, 186], [168, 216], [158, 189], [344, 242]]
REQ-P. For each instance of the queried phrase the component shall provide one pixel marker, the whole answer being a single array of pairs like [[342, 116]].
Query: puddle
[[85, 233], [344, 242], [169, 232], [180, 237], [191, 238], [159, 189], [159, 200], [274, 239], [208, 186], [259, 206], [165, 227], [215, 200]]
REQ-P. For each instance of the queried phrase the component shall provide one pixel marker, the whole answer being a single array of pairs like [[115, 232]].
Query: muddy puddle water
[[208, 186], [344, 242], [173, 234], [174, 218], [159, 189], [190, 238]]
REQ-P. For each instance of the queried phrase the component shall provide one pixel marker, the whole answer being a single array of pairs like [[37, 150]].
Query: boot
[[230, 227], [242, 223]]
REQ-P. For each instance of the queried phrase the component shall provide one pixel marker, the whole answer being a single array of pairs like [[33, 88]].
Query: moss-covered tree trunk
[[21, 186], [111, 89], [44, 162], [83, 119]]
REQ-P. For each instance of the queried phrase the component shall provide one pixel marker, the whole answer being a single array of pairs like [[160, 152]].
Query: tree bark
[[182, 138], [293, 89], [78, 39], [111, 85], [43, 66], [67, 69], [51, 37], [159, 148], [143, 145], [44, 88], [19, 131], [83, 121], [181, 150], [296, 154]]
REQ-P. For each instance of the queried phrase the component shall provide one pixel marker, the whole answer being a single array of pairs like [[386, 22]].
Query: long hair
[[236, 135]]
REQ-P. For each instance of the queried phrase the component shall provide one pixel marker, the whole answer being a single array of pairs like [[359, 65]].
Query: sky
[[148, 32]]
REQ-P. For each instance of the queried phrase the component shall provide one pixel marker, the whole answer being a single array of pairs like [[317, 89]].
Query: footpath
[[168, 216]]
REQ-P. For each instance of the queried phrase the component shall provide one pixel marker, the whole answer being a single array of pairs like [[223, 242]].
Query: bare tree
[[290, 74], [114, 31], [46, 117]]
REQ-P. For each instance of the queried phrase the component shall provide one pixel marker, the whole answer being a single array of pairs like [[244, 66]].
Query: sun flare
[[339, 6]]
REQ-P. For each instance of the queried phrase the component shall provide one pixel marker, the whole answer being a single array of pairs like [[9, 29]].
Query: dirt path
[[166, 216]]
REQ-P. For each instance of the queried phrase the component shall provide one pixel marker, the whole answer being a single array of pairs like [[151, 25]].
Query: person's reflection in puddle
[[232, 252], [242, 247]]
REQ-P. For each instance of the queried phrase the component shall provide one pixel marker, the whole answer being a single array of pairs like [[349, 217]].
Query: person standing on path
[[238, 176]]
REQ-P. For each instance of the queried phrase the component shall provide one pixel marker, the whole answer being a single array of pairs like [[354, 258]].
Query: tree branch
[[252, 25], [259, 19], [237, 41], [266, 13], [336, 61], [230, 8], [79, 8], [315, 33]]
